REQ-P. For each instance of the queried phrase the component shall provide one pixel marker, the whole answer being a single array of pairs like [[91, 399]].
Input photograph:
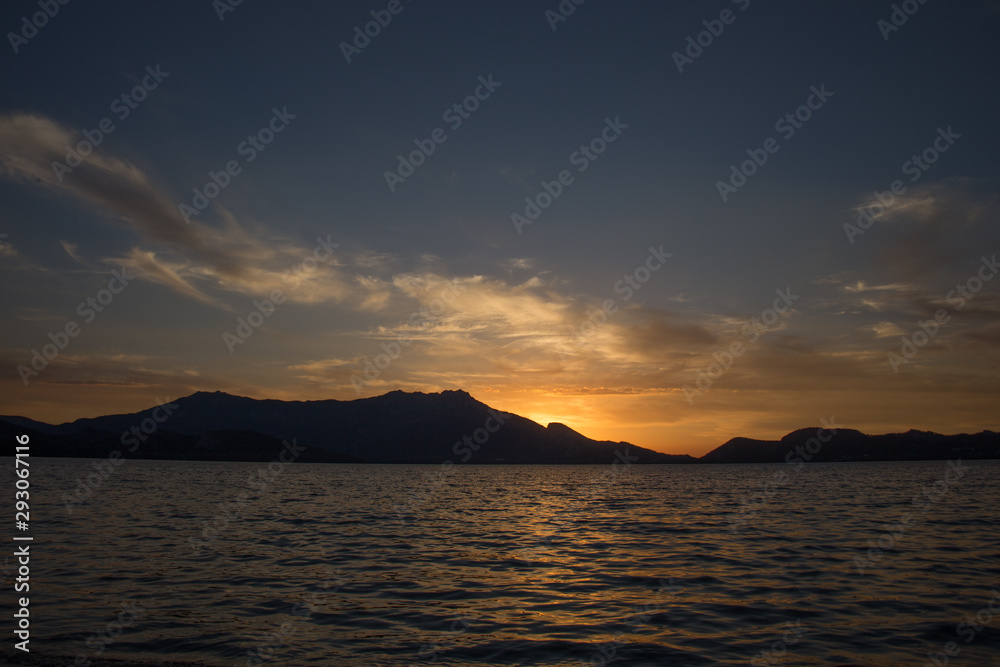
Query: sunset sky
[[430, 267]]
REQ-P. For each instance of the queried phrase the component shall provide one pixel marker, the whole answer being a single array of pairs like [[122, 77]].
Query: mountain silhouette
[[414, 427], [398, 427], [852, 445]]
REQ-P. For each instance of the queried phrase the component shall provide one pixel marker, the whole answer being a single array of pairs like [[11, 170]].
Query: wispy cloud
[[527, 333], [189, 258], [886, 329], [6, 249], [71, 250]]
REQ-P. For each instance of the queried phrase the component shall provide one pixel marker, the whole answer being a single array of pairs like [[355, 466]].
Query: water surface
[[226, 563]]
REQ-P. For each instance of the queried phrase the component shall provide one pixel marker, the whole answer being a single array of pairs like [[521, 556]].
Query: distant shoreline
[[446, 428], [534, 465]]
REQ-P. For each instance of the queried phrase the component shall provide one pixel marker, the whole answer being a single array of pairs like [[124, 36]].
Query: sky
[[667, 223]]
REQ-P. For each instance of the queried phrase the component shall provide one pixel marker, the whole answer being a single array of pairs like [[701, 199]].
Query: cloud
[[862, 286], [936, 227], [477, 329], [6, 249], [319, 371], [377, 293], [112, 368], [933, 240], [191, 258], [29, 145], [885, 329], [70, 249], [145, 264]]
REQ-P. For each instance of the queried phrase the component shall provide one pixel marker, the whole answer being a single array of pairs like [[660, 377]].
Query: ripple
[[514, 565]]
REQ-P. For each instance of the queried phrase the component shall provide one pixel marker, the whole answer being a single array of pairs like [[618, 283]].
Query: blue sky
[[505, 335]]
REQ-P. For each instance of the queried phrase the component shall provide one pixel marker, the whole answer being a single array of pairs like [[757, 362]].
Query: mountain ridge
[[397, 427], [418, 427]]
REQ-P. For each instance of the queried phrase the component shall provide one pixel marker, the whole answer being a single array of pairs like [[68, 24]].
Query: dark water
[[514, 565]]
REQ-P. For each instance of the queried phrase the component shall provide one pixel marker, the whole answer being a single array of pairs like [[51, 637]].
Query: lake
[[776, 564]]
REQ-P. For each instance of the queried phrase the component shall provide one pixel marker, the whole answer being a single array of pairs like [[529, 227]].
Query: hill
[[398, 427], [851, 445], [402, 427]]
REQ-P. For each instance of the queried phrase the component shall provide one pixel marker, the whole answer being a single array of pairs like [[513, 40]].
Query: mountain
[[851, 445], [401, 427], [398, 427]]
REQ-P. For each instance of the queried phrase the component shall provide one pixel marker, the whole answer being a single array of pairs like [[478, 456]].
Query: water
[[514, 565]]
